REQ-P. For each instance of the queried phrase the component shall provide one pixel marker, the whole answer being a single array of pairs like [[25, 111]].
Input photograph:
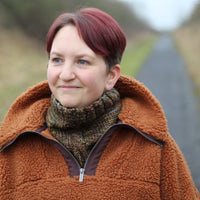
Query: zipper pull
[[82, 170]]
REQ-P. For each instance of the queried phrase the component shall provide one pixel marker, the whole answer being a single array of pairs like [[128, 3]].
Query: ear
[[113, 76]]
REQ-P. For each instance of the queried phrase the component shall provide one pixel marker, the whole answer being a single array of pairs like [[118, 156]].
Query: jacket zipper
[[81, 175], [82, 170]]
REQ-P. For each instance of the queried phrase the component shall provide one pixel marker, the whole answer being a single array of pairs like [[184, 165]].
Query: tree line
[[195, 16], [35, 17]]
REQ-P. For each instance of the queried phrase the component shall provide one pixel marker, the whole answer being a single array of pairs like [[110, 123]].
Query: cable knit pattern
[[78, 129]]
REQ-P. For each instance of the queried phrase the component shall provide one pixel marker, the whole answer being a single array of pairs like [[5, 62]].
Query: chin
[[68, 105]]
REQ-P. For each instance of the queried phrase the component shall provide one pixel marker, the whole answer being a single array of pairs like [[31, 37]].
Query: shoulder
[[27, 112], [141, 109]]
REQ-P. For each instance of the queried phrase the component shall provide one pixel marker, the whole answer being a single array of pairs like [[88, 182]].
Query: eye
[[57, 60], [82, 62]]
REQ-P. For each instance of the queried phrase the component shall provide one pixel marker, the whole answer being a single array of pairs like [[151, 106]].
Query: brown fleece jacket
[[130, 166]]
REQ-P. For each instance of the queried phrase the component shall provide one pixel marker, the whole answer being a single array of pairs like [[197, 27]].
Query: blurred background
[[23, 29], [24, 25]]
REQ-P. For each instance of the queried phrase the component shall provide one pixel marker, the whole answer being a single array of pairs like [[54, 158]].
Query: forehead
[[68, 38]]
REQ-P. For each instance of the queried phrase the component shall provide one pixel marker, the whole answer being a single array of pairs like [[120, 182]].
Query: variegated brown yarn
[[78, 129]]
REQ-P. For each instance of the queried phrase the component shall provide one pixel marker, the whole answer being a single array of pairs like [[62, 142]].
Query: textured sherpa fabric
[[130, 167]]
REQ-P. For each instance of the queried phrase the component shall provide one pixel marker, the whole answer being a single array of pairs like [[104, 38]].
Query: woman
[[89, 133]]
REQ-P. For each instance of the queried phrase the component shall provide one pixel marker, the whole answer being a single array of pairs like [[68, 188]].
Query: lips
[[68, 87], [64, 86]]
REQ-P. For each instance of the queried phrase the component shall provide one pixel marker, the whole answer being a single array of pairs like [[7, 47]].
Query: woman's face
[[76, 75]]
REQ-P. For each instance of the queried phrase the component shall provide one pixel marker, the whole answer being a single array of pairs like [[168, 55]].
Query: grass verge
[[188, 43], [135, 55]]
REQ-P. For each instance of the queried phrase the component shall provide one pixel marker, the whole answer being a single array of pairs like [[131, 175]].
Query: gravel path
[[164, 73]]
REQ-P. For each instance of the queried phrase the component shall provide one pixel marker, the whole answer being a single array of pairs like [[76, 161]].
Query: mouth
[[68, 87]]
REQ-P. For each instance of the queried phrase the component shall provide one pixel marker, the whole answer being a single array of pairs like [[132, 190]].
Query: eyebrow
[[56, 53], [80, 55]]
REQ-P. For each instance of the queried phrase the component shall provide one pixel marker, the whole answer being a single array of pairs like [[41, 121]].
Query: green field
[[135, 54]]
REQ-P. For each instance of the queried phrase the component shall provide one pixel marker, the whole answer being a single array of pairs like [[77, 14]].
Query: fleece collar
[[139, 109]]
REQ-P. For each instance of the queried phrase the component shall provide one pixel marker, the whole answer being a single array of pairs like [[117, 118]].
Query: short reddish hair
[[98, 30]]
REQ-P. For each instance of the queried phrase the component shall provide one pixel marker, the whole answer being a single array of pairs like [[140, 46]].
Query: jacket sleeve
[[176, 181]]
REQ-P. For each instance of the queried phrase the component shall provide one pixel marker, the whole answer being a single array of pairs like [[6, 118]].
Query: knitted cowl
[[78, 129]]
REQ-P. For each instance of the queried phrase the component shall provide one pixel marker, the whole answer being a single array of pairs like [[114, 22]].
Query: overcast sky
[[163, 14]]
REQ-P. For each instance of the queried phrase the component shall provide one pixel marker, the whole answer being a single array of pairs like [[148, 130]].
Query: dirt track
[[164, 73]]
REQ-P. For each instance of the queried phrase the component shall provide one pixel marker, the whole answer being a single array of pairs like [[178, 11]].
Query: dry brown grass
[[22, 63], [188, 41]]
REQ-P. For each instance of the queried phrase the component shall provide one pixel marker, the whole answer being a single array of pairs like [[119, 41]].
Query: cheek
[[95, 81], [51, 76]]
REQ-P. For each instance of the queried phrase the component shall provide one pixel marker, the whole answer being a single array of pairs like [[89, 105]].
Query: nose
[[67, 72]]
